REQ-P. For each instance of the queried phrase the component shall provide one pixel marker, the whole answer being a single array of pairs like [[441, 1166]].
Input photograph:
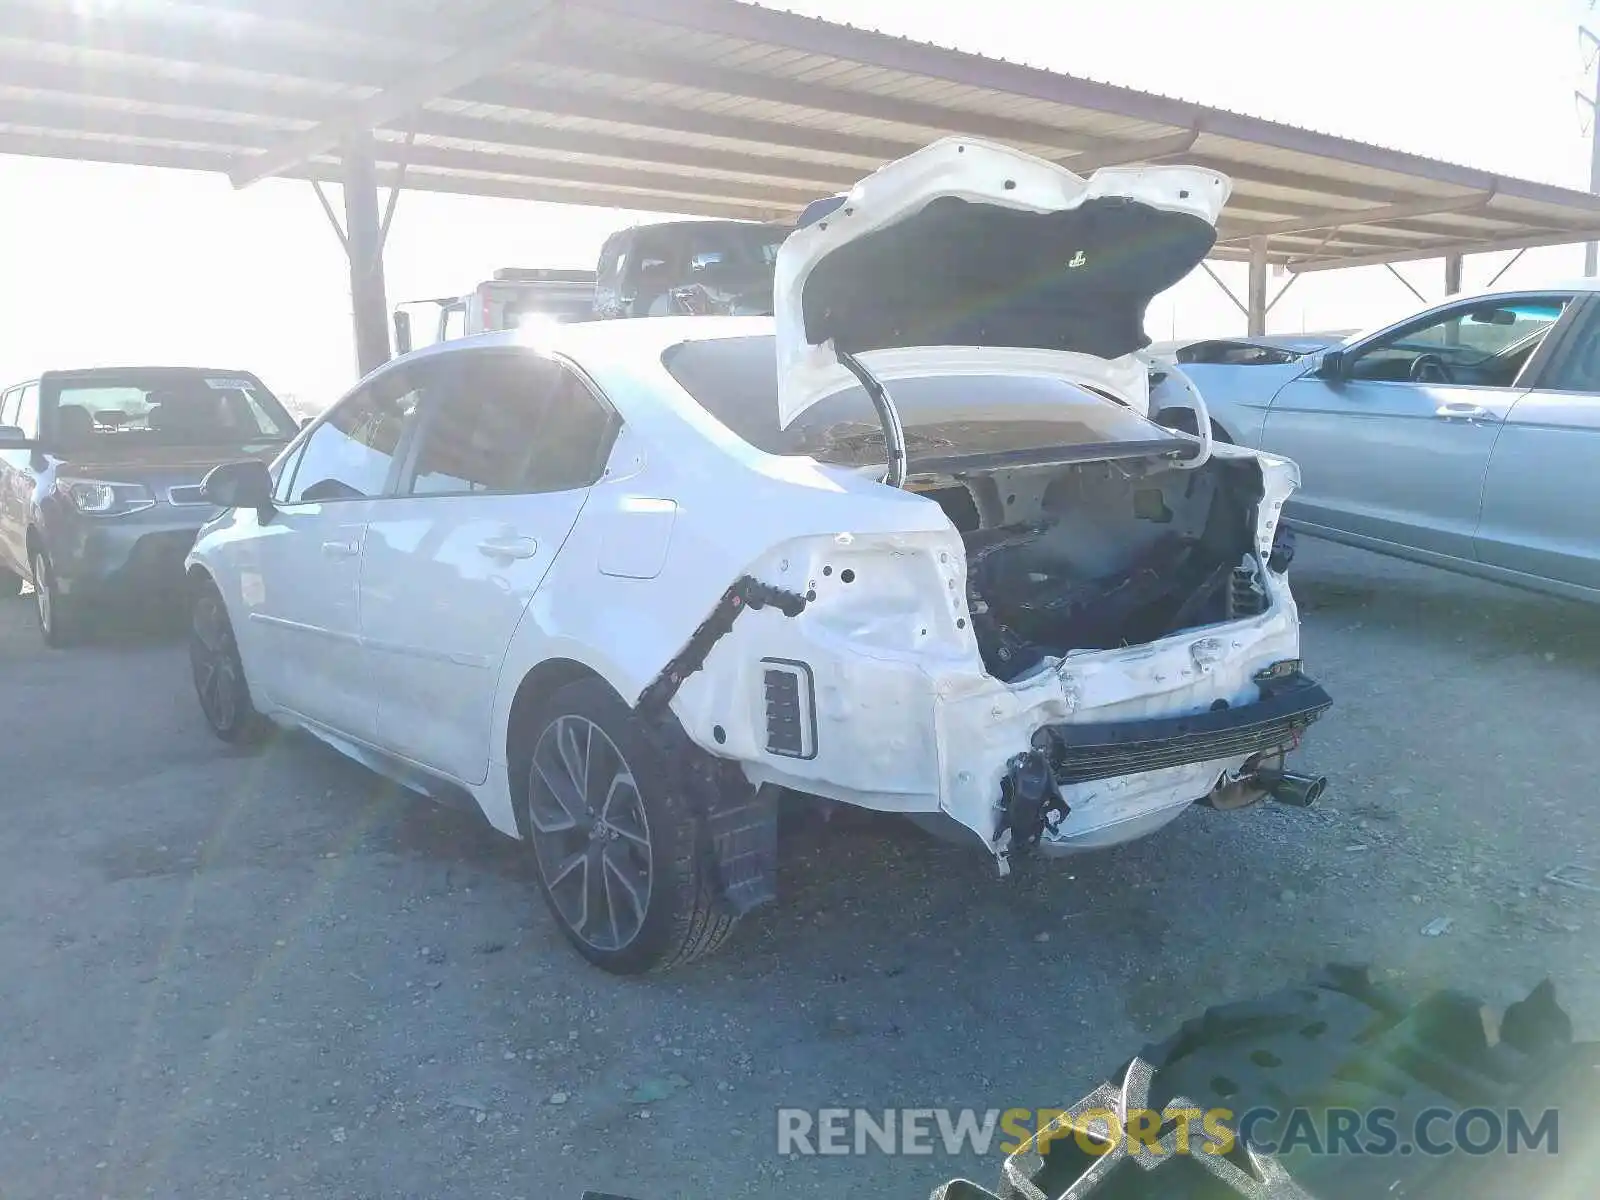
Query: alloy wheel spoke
[[574, 752], [569, 888], [208, 626], [630, 886], [588, 765], [571, 864], [596, 904], [621, 784], [222, 683], [568, 803], [204, 669], [606, 874]]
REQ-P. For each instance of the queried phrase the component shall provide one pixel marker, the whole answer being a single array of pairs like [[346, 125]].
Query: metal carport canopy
[[713, 107]]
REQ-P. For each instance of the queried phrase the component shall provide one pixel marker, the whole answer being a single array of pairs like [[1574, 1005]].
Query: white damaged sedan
[[913, 545]]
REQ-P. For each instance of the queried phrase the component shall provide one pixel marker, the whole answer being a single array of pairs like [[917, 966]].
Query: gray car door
[[1395, 450], [11, 515], [1542, 491], [21, 409]]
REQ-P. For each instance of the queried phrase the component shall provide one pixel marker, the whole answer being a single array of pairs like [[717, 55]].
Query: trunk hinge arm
[[894, 434]]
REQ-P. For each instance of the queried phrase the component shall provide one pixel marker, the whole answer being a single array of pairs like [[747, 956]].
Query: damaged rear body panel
[[1061, 628], [1115, 628]]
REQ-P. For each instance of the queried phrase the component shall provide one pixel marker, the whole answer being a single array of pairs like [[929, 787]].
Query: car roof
[[142, 369], [1531, 289], [638, 338], [124, 372]]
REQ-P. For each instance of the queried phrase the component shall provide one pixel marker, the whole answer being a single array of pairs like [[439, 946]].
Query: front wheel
[[617, 849], [58, 617], [219, 681]]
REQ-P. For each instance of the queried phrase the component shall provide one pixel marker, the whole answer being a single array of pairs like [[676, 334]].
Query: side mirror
[[12, 438], [246, 484], [1332, 365], [402, 333]]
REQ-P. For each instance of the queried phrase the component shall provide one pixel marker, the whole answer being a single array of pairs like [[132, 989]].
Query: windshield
[[173, 408], [546, 309], [730, 246]]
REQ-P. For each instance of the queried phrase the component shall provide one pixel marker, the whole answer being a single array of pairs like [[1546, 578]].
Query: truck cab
[[670, 268], [689, 267], [515, 297]]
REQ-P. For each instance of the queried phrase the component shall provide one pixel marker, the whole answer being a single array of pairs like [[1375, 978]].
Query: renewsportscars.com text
[[1374, 1131]]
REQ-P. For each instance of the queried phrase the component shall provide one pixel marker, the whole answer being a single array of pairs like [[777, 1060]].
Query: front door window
[[1486, 344]]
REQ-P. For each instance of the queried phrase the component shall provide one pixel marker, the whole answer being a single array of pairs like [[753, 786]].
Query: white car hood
[[971, 257]]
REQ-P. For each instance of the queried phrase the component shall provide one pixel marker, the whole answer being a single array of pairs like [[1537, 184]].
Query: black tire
[[218, 672], [680, 917], [1335, 1043], [59, 621]]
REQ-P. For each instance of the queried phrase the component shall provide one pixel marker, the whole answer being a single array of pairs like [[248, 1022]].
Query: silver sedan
[[1466, 436]]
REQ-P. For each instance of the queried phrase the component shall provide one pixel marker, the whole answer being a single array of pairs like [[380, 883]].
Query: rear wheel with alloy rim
[[58, 623], [616, 849], [219, 681]]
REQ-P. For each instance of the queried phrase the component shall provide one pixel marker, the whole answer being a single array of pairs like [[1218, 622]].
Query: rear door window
[[1577, 365], [506, 422], [28, 410]]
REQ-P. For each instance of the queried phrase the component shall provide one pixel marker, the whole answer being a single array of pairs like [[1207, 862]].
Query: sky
[[108, 264]]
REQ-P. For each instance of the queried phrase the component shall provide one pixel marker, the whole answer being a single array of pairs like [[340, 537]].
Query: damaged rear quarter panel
[[736, 511]]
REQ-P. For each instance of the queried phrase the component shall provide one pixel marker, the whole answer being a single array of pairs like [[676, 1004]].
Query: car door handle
[[510, 547], [1463, 412], [340, 549]]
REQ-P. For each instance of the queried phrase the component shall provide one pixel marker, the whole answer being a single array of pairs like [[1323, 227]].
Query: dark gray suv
[[100, 476]]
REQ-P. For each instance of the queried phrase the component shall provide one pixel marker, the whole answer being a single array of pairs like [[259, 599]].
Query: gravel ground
[[276, 976]]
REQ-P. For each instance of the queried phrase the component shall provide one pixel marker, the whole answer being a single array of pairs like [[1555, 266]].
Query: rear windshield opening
[[166, 408], [736, 381]]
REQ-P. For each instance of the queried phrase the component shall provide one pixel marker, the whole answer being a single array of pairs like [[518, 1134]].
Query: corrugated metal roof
[[716, 107]]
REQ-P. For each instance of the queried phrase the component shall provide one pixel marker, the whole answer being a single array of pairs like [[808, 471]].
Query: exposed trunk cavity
[[1094, 556]]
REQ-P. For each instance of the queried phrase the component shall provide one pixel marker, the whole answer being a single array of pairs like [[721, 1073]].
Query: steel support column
[[369, 306], [1256, 306], [1591, 250], [1452, 274]]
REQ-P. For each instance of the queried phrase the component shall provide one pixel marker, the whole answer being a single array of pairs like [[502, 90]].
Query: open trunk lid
[[970, 257]]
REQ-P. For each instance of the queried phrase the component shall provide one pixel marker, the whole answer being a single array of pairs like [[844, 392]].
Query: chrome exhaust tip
[[1292, 788]]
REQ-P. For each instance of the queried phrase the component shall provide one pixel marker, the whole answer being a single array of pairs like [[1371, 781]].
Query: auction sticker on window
[[229, 385]]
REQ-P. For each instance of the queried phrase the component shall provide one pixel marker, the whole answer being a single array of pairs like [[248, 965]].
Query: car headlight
[[102, 499]]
